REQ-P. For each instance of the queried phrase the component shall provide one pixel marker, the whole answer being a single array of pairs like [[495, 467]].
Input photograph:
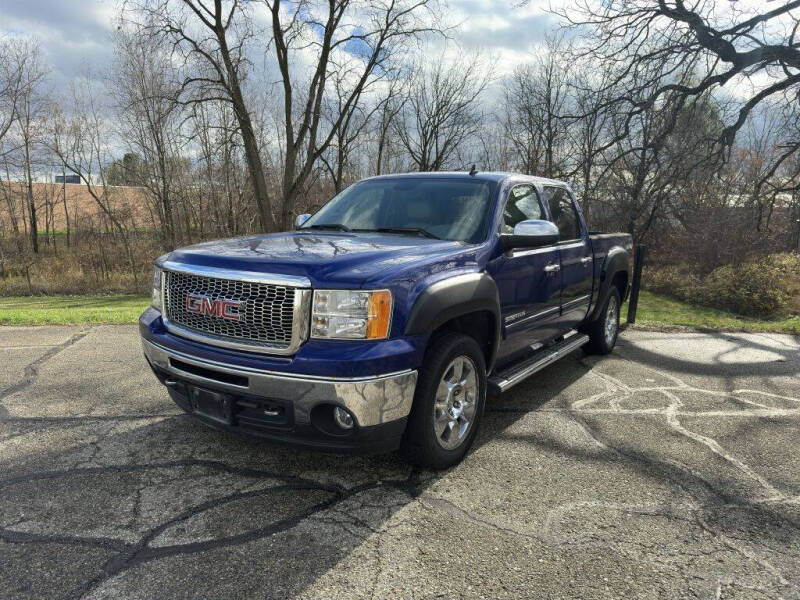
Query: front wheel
[[448, 403], [603, 332]]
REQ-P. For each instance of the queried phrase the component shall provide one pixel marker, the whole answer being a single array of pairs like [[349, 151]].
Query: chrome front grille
[[271, 316]]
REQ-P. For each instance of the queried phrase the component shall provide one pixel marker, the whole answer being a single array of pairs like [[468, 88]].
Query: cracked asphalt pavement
[[666, 470]]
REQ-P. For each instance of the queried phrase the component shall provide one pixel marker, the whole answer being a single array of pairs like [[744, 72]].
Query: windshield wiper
[[334, 226], [416, 230]]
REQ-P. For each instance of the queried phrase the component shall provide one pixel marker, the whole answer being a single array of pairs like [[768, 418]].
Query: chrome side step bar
[[512, 375]]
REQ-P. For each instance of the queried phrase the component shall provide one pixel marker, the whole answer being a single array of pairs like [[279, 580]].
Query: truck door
[[528, 279], [576, 257]]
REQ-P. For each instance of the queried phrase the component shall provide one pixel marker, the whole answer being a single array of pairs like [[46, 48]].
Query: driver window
[[522, 205]]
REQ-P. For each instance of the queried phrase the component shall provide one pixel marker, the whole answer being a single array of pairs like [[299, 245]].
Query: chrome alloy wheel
[[612, 323], [455, 403]]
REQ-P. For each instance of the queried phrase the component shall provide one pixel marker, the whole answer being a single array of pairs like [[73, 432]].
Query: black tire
[[421, 445], [600, 342]]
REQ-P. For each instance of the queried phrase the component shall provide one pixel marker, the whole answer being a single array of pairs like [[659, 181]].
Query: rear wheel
[[448, 403], [604, 331]]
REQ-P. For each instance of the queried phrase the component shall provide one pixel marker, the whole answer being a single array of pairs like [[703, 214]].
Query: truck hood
[[349, 259]]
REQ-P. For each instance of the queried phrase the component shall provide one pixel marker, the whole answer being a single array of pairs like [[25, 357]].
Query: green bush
[[767, 286], [788, 265], [751, 289], [677, 281]]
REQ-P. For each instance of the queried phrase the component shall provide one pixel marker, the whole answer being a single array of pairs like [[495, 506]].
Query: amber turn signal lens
[[379, 315]]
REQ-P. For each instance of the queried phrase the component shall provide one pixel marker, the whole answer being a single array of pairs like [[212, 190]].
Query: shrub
[[788, 265], [766, 286], [677, 281], [751, 289]]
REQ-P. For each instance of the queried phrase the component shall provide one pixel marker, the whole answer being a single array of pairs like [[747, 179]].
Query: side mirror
[[298, 222], [530, 234]]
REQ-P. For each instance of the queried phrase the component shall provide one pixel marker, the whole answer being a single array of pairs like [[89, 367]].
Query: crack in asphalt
[[694, 485], [129, 555], [31, 371], [57, 420], [431, 502], [11, 536], [142, 552], [704, 494]]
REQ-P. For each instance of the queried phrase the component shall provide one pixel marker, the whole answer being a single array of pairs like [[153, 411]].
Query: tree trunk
[[166, 203], [34, 231], [66, 210], [249, 141]]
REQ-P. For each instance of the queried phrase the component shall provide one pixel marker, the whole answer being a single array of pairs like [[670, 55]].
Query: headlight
[[156, 295], [351, 314]]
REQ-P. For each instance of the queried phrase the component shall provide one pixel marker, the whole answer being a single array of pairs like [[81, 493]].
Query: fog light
[[343, 418]]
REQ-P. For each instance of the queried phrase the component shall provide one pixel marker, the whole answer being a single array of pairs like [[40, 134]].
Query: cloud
[[74, 35], [504, 34]]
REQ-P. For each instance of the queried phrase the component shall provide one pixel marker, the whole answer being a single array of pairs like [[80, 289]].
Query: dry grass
[[93, 264]]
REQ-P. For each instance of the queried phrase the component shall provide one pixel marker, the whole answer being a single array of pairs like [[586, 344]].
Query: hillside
[[129, 204]]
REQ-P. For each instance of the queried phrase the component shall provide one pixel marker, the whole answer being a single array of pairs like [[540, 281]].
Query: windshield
[[448, 209]]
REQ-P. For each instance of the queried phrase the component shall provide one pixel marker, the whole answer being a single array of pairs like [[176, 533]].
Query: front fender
[[453, 297], [450, 298]]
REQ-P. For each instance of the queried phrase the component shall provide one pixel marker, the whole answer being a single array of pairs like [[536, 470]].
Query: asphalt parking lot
[[667, 470]]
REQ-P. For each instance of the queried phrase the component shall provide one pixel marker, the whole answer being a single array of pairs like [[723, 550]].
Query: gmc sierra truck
[[382, 321]]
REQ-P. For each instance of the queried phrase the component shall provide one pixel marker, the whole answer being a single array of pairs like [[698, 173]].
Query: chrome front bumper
[[371, 400]]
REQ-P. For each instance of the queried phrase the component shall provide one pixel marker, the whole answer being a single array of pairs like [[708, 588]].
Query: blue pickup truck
[[384, 319]]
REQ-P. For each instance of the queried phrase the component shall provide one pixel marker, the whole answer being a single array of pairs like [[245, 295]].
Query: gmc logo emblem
[[216, 307]]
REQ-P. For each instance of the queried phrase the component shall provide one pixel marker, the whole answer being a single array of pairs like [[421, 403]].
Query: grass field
[[660, 312], [654, 311], [60, 310]]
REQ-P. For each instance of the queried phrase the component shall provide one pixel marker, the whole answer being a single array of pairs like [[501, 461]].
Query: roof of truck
[[498, 176]]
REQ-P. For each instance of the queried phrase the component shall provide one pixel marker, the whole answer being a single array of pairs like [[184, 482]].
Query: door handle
[[586, 260], [552, 268]]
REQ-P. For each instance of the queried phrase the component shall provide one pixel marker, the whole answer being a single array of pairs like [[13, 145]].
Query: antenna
[[473, 171]]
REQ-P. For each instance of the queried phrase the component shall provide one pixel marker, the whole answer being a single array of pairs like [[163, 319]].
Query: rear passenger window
[[522, 205], [563, 212]]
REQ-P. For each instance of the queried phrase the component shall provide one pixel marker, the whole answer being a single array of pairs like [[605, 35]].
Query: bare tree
[[13, 62], [588, 133], [441, 112], [83, 146], [210, 37], [390, 107], [339, 158], [665, 51], [11, 76], [202, 129], [536, 101], [32, 104], [354, 43], [145, 90], [221, 170], [521, 121], [11, 204]]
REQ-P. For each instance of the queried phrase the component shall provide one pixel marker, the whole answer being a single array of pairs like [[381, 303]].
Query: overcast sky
[[76, 34]]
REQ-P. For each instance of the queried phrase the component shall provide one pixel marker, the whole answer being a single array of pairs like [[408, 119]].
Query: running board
[[512, 375]]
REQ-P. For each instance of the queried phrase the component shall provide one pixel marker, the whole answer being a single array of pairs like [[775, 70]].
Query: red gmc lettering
[[204, 305]]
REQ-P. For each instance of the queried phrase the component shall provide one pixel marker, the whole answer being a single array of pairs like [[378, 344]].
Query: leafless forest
[[677, 121]]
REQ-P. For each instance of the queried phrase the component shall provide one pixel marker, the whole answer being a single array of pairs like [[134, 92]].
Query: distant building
[[68, 178]]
